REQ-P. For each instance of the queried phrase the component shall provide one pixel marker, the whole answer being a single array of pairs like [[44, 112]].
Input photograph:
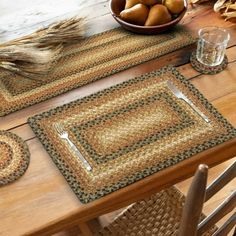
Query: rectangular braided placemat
[[91, 59], [129, 131]]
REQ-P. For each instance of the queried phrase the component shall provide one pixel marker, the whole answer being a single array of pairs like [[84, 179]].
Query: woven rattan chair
[[169, 212]]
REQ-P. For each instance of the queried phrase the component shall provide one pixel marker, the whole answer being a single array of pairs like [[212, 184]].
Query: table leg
[[86, 231]]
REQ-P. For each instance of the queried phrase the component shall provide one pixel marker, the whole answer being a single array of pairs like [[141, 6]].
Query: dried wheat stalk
[[227, 8], [33, 55]]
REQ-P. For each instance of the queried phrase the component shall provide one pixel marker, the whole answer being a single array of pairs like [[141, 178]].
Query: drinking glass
[[211, 45]]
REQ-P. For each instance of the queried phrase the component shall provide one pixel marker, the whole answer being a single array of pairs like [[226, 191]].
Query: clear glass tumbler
[[211, 45]]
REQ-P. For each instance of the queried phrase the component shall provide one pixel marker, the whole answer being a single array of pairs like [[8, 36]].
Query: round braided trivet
[[14, 157], [209, 70]]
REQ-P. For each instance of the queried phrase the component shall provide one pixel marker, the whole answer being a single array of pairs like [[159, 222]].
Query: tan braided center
[[5, 156]]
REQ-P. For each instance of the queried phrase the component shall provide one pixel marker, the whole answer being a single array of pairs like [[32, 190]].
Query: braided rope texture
[[14, 158], [129, 131], [157, 215], [88, 60]]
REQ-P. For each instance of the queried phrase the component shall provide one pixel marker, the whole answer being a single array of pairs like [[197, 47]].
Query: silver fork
[[180, 95], [64, 135]]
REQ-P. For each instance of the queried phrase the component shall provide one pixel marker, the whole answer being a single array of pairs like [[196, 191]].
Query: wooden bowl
[[116, 6]]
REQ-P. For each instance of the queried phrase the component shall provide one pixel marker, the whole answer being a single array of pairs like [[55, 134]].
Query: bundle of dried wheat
[[227, 8], [33, 55]]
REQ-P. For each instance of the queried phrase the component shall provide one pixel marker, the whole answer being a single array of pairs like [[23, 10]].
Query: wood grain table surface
[[41, 202]]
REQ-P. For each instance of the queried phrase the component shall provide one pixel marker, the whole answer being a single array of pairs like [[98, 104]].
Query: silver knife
[[180, 95]]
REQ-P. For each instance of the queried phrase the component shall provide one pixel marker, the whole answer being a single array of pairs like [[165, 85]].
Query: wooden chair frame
[[198, 194]]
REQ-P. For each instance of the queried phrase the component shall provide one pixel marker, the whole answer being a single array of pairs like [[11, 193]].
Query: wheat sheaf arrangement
[[33, 55], [227, 8]]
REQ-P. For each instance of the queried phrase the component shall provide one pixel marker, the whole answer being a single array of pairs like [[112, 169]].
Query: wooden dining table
[[42, 203]]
